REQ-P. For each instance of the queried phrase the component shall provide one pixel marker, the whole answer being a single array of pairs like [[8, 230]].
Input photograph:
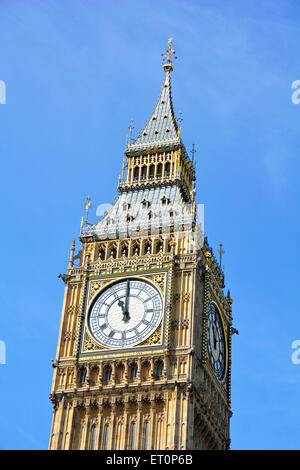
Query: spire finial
[[71, 254], [193, 151], [167, 63], [180, 119], [131, 127], [87, 206]]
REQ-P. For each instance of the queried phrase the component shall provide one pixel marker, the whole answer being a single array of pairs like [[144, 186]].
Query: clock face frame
[[125, 313], [216, 344]]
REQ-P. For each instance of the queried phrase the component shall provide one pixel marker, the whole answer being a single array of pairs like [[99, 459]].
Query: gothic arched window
[[159, 369], [124, 250], [106, 434], [159, 246], [113, 252], [146, 435], [136, 249], [132, 435], [147, 248], [108, 374], [102, 253], [144, 172], [93, 435], [136, 174], [151, 171], [83, 376], [133, 371]]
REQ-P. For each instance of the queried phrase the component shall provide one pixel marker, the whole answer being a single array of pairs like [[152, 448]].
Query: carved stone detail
[[132, 263], [90, 345], [95, 286], [184, 323], [155, 338]]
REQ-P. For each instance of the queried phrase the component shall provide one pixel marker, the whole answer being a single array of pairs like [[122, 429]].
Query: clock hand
[[126, 316], [124, 308], [126, 299], [215, 338], [121, 304], [126, 312]]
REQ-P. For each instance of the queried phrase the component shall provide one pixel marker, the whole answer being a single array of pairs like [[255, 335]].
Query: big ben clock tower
[[144, 350]]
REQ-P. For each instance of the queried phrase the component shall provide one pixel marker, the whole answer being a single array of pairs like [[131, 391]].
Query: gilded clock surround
[[223, 328], [155, 338], [165, 387]]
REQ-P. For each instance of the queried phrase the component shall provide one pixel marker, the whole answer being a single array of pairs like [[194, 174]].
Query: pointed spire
[[72, 250], [229, 299], [161, 128]]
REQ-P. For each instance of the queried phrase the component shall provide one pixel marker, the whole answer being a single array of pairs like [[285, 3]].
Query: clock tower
[[144, 349]]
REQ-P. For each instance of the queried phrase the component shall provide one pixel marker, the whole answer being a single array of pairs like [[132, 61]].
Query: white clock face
[[125, 313], [216, 342]]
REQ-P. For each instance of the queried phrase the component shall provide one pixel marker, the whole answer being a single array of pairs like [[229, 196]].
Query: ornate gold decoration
[[131, 127], [95, 286], [87, 206], [167, 63], [155, 338], [160, 280], [90, 345]]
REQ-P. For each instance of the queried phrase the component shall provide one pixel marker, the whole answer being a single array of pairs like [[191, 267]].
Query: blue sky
[[76, 72]]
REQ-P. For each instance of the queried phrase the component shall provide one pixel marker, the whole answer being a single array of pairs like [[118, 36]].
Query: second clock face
[[125, 313], [216, 342]]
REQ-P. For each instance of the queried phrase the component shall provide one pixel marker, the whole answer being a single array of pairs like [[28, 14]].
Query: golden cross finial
[[87, 206], [167, 63], [131, 127], [221, 252], [170, 50]]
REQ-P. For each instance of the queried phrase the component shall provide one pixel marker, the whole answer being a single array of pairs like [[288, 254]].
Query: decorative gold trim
[[89, 344], [213, 294], [155, 338], [95, 287], [157, 279], [224, 326]]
